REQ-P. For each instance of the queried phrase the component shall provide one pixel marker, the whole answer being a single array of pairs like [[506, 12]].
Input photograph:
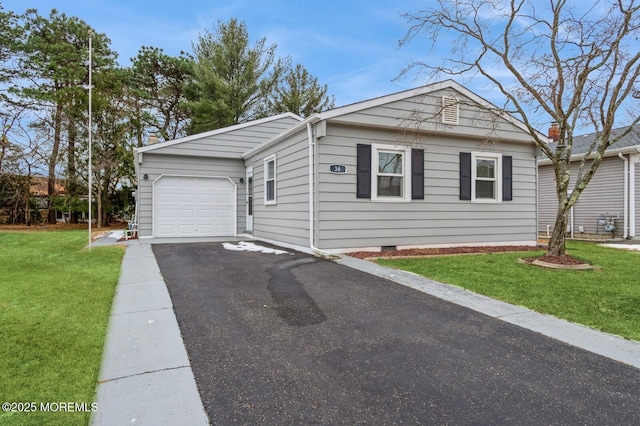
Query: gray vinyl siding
[[345, 221], [604, 194], [155, 165], [473, 121], [288, 220], [229, 144], [547, 199]]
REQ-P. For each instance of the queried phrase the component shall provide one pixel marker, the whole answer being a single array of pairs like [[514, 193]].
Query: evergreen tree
[[300, 93], [232, 78], [158, 85], [55, 64]]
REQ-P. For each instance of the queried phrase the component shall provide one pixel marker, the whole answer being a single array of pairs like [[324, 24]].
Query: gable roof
[[581, 144], [382, 100], [220, 131]]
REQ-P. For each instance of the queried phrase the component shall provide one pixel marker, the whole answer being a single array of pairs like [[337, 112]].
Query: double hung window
[[390, 180], [270, 180]]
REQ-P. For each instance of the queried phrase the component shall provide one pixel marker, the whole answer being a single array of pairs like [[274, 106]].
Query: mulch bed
[[448, 251]]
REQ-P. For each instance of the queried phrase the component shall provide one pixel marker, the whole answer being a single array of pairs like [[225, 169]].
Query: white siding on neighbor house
[[473, 122], [604, 194], [288, 219], [155, 165], [345, 221], [230, 144]]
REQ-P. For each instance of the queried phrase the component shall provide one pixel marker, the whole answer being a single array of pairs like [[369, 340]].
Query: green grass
[[55, 299], [607, 299]]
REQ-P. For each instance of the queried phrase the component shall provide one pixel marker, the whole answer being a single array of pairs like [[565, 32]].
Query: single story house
[[426, 167], [609, 207]]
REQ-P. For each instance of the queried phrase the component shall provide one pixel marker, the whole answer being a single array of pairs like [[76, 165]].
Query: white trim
[[371, 103], [220, 131], [153, 204], [633, 160], [275, 180], [249, 176], [634, 149], [475, 155], [406, 173]]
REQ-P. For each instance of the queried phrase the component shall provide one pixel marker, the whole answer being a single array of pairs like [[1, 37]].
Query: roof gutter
[[608, 153]]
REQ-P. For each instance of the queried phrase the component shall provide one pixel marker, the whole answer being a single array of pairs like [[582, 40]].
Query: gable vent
[[449, 110]]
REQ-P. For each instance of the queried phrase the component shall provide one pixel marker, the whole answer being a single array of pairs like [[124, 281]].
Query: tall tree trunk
[[99, 200], [72, 181], [53, 161]]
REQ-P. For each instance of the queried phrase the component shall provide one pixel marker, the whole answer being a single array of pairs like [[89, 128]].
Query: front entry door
[[249, 199]]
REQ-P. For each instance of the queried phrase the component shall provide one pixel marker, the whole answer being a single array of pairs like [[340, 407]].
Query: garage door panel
[[187, 206]]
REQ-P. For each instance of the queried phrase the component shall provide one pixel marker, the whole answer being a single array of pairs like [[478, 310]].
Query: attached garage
[[194, 206], [194, 187]]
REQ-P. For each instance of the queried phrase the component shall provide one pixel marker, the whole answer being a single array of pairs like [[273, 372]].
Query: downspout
[[625, 208], [634, 159], [316, 251]]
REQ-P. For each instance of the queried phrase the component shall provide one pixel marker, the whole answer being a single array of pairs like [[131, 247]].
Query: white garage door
[[194, 207]]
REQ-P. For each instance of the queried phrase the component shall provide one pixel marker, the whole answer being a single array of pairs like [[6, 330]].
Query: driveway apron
[[293, 339]]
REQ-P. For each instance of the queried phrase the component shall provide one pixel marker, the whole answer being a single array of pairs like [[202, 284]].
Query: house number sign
[[338, 168]]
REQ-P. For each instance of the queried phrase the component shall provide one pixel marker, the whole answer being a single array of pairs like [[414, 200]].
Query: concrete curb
[[608, 345], [146, 377]]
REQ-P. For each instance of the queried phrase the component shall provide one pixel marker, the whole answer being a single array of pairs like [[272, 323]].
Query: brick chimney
[[554, 131], [153, 139]]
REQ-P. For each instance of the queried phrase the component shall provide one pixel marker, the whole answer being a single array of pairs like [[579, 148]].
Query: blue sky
[[350, 45]]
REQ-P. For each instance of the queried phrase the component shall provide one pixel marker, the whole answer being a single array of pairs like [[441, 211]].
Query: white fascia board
[[608, 153], [220, 131], [382, 100], [447, 84]]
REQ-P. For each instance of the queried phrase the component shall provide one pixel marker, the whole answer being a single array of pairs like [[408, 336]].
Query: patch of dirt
[[556, 260]]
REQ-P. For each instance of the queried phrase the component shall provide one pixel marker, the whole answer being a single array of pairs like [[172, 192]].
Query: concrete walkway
[[146, 377]]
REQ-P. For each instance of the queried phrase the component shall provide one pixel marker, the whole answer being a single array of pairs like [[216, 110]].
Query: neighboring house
[[351, 178], [609, 207]]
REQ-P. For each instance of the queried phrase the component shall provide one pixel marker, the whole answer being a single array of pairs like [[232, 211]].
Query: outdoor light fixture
[[145, 176], [241, 180]]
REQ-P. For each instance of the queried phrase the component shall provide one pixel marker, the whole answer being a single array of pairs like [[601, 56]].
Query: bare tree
[[555, 61]]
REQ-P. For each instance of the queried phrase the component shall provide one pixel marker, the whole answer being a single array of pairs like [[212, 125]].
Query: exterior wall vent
[[450, 110]]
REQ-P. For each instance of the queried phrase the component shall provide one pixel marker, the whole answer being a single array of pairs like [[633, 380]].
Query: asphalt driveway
[[292, 339]]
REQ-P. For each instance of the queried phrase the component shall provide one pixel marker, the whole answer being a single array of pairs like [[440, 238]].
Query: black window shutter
[[364, 171], [507, 178], [465, 176], [417, 174]]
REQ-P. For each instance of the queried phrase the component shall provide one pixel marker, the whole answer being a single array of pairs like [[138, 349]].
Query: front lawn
[[606, 299], [55, 300]]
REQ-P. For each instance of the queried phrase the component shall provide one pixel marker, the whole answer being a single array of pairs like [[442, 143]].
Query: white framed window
[[391, 179], [486, 177], [270, 180]]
